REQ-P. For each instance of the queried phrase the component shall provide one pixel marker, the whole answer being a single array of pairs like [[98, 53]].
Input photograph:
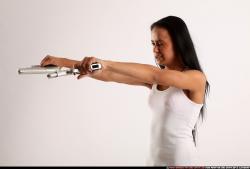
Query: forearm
[[103, 76], [109, 76], [143, 72]]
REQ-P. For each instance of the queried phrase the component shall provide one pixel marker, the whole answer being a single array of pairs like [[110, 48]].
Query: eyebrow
[[160, 40], [157, 40]]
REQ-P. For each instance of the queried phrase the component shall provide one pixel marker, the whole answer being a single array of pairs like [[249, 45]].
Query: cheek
[[168, 54], [168, 58]]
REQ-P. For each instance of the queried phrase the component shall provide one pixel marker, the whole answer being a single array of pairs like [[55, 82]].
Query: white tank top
[[173, 118]]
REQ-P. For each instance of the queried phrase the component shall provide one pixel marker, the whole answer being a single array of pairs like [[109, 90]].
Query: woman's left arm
[[191, 79], [144, 72]]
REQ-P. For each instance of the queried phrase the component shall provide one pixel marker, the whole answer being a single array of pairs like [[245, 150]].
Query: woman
[[178, 89]]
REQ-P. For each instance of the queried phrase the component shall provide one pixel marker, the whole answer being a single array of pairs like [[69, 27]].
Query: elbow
[[156, 77], [161, 78]]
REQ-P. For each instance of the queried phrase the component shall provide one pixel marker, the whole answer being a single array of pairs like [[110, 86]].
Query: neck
[[176, 66]]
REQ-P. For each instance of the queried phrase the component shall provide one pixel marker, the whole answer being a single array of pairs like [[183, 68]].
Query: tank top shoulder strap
[[153, 86]]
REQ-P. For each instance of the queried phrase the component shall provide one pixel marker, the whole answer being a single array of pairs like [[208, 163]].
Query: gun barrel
[[37, 69]]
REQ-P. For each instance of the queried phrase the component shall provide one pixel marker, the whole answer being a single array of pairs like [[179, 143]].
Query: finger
[[42, 62], [87, 64], [79, 66], [47, 61], [81, 76], [44, 59], [84, 64], [90, 61], [76, 66]]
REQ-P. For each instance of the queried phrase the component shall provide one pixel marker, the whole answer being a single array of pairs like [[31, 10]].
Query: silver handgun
[[53, 71]]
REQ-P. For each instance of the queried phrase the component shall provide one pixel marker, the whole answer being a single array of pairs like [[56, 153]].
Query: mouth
[[158, 57]]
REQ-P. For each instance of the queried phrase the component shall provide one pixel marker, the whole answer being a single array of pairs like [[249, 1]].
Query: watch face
[[95, 66]]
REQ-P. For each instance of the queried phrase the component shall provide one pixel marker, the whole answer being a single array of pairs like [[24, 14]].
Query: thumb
[[81, 76]]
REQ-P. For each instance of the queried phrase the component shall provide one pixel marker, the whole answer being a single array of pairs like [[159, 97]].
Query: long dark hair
[[184, 48]]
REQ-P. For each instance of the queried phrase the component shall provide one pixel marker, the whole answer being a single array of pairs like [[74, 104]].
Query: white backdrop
[[66, 121]]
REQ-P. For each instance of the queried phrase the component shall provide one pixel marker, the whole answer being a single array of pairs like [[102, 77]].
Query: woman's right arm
[[105, 75]]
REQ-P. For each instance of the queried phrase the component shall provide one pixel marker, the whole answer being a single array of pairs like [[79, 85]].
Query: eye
[[159, 44]]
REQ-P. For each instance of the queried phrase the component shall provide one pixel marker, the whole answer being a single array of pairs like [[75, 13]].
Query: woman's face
[[162, 46]]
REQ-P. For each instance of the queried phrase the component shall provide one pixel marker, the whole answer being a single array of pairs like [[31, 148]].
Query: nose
[[155, 49]]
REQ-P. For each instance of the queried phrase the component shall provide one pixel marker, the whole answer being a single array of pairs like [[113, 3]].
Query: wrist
[[107, 65]]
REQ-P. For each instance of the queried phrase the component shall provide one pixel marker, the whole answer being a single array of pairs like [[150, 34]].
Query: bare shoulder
[[195, 73], [197, 76]]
